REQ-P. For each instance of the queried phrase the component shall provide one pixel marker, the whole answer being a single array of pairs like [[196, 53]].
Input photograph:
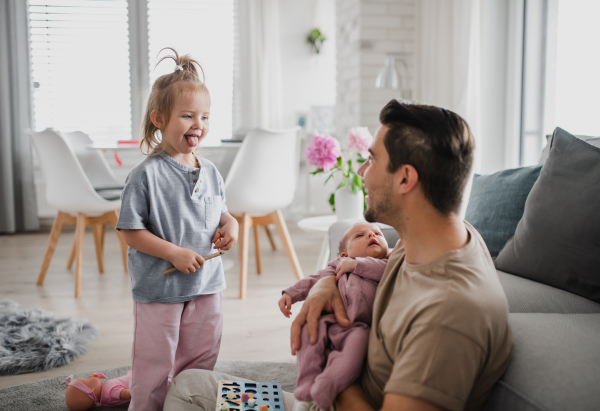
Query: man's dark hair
[[437, 143]]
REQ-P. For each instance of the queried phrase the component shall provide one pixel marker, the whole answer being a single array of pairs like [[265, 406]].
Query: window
[[575, 87], [80, 67], [84, 60], [203, 29]]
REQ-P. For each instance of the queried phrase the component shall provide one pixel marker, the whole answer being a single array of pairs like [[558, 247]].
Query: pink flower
[[323, 151], [359, 139]]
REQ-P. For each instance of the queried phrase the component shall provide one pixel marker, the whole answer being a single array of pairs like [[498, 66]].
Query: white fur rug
[[34, 340]]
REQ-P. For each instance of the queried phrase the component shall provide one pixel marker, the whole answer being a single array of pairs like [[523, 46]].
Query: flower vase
[[349, 205]]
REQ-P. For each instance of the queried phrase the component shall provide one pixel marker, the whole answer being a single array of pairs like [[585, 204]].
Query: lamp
[[388, 76]]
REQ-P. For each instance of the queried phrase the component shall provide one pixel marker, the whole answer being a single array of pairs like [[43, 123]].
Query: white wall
[[308, 79], [366, 31], [490, 142]]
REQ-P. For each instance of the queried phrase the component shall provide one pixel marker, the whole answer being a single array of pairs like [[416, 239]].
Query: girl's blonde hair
[[164, 91]]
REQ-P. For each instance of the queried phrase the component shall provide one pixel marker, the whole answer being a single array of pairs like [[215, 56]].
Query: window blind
[[205, 30], [80, 67]]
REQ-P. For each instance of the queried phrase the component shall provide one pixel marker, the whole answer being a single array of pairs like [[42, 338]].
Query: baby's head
[[83, 393], [363, 240], [184, 80]]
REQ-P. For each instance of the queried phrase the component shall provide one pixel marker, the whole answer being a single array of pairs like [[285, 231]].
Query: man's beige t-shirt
[[440, 330]]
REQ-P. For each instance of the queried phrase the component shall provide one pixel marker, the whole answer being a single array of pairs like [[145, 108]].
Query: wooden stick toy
[[208, 257]]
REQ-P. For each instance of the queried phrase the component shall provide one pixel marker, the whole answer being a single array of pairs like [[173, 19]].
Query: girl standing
[[172, 212]]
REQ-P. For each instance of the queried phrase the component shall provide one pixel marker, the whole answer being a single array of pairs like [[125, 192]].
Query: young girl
[[172, 212]]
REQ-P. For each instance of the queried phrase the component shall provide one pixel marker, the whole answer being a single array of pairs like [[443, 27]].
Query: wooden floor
[[254, 329]]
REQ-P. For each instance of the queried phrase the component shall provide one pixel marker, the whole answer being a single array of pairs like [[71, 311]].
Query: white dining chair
[[69, 191], [261, 182], [95, 166], [98, 172]]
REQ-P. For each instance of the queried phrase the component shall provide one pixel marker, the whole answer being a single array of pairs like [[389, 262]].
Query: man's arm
[[323, 296], [354, 398], [395, 402]]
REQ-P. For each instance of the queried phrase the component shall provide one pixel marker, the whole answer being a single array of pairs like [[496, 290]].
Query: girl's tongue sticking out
[[192, 139]]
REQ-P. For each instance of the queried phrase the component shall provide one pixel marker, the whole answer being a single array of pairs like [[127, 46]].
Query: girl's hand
[[285, 305], [227, 235], [187, 261], [346, 265]]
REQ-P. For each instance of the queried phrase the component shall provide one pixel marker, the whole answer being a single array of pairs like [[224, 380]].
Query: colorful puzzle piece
[[246, 396]]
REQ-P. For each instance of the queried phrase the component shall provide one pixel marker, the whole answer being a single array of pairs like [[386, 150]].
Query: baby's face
[[365, 240]]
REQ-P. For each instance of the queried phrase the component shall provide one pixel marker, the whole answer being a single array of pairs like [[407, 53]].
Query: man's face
[[365, 240], [378, 181]]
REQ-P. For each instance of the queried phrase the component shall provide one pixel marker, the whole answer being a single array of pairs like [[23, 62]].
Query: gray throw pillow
[[557, 242], [496, 204]]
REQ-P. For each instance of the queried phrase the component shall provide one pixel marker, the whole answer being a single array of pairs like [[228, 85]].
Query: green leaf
[[332, 201], [329, 178]]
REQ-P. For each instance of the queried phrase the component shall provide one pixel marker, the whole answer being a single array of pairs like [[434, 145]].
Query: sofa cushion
[[593, 140], [527, 296], [557, 242], [554, 365], [496, 204]]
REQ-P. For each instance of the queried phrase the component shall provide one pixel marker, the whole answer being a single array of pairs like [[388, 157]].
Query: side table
[[319, 224]]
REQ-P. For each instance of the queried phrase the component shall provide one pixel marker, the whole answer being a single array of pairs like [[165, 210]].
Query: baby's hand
[[285, 305], [346, 265], [187, 261]]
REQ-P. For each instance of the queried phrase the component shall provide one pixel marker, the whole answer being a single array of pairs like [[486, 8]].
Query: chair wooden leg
[[257, 248], [57, 226], [270, 236], [287, 242], [79, 231], [72, 254], [97, 230], [245, 223], [113, 218]]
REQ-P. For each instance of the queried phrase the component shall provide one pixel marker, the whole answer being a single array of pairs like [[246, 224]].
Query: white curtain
[[450, 58], [18, 206], [258, 66]]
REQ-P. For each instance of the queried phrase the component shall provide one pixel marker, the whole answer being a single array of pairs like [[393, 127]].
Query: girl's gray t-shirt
[[182, 205]]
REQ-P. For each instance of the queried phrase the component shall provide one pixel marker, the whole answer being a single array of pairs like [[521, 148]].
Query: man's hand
[[346, 265], [285, 305], [323, 296]]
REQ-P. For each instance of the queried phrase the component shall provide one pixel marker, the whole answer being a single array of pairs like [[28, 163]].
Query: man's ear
[[343, 254], [406, 178], [157, 119]]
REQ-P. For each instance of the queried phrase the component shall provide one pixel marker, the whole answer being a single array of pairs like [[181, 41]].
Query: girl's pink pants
[[174, 337]]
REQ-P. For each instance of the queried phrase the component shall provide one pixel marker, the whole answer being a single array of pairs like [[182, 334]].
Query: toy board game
[[246, 395]]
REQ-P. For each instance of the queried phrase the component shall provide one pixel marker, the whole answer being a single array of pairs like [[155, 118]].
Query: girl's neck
[[189, 160]]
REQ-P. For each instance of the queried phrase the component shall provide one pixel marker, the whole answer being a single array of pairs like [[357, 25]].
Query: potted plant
[[316, 39], [325, 153]]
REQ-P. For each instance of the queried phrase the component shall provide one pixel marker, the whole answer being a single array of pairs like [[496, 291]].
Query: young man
[[440, 336]]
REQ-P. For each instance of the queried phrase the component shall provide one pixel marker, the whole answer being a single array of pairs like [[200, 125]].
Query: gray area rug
[[33, 340], [49, 395]]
